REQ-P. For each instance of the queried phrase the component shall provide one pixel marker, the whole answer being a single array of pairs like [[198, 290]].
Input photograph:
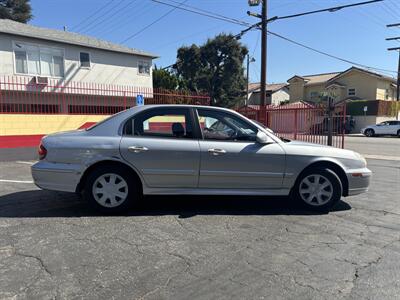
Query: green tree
[[165, 79], [215, 67], [17, 10]]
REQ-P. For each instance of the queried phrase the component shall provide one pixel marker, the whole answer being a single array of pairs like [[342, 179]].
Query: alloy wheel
[[316, 190], [110, 190]]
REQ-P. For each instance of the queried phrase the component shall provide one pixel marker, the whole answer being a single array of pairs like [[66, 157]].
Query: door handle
[[216, 151], [137, 149]]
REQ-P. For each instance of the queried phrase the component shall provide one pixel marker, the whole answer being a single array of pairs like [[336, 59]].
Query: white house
[[30, 51]]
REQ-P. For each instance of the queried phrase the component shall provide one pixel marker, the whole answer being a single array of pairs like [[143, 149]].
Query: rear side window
[[164, 122]]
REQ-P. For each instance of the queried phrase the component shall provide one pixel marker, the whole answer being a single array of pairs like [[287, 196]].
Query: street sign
[[254, 2], [139, 100], [365, 108]]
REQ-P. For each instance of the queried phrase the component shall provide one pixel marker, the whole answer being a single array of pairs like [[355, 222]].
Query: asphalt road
[[374, 146], [53, 246]]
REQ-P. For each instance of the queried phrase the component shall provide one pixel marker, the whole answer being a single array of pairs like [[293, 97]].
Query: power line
[[99, 17], [213, 13], [110, 16], [249, 27], [152, 23], [330, 55], [208, 14], [92, 15], [122, 22]]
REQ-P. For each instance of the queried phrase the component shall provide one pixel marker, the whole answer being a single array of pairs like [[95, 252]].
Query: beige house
[[276, 93], [351, 84]]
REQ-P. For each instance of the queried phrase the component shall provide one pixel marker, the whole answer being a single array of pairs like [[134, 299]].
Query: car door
[[160, 143], [382, 128], [393, 127], [231, 157]]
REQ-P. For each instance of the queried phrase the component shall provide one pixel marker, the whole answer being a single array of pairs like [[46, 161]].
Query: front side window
[[216, 125], [38, 60], [84, 59], [144, 68], [166, 123]]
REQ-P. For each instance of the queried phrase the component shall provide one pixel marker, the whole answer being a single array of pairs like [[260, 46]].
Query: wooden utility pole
[[263, 53], [398, 64]]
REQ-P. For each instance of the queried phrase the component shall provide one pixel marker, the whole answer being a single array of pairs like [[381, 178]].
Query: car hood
[[311, 149]]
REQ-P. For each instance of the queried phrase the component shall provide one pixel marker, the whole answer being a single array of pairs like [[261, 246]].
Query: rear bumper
[[55, 176], [359, 180]]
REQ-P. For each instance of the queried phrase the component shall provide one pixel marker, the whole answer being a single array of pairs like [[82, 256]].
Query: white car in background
[[384, 128]]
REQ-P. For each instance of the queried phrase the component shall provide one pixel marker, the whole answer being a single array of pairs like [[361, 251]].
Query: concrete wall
[[106, 67]]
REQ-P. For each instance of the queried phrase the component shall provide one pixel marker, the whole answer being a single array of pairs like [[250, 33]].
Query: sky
[[356, 34]]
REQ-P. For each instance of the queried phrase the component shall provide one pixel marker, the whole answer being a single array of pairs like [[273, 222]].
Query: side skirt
[[194, 191]]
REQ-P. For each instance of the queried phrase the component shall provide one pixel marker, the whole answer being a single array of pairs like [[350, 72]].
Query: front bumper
[[56, 176], [359, 180]]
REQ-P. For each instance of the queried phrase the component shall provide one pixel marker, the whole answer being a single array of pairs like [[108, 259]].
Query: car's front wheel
[[110, 190], [398, 133], [318, 189], [369, 132]]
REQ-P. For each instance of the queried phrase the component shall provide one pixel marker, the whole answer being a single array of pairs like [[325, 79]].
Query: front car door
[[382, 128], [160, 143], [230, 156]]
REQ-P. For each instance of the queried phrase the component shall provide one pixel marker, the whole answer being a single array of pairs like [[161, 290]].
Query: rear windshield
[[103, 121]]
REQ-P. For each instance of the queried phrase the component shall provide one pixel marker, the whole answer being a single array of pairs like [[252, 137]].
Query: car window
[[394, 123], [383, 124], [218, 125], [163, 122]]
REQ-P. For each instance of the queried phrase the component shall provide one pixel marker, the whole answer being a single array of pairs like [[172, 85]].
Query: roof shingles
[[20, 29]]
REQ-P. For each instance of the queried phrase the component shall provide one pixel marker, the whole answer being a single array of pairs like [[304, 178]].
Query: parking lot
[[53, 246]]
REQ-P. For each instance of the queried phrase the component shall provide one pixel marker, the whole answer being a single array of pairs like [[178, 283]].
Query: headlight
[[361, 158]]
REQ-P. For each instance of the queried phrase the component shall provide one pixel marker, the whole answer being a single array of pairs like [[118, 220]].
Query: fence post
[[330, 121], [344, 123], [295, 124]]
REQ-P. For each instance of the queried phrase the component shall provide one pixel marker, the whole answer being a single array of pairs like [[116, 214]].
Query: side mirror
[[263, 138]]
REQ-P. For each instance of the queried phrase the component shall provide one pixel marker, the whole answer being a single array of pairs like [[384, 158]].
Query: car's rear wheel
[[111, 190], [369, 132], [398, 133], [318, 189]]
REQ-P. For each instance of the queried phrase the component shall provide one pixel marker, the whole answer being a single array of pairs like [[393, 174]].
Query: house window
[[314, 95], [84, 59], [144, 67], [351, 92], [38, 60], [387, 94]]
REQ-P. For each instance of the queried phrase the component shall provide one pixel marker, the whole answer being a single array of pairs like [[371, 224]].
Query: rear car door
[[161, 144], [230, 156], [394, 127]]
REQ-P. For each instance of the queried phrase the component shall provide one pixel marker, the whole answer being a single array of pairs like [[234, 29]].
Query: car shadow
[[47, 204]]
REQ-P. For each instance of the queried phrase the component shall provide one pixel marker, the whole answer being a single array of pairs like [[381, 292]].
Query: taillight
[[42, 151]]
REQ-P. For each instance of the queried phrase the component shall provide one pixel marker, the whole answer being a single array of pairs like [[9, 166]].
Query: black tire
[[336, 189], [398, 133], [132, 189], [369, 132]]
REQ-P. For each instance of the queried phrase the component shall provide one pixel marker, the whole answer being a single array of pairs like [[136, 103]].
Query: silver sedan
[[193, 150]]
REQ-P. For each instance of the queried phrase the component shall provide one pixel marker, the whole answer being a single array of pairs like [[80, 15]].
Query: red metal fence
[[301, 121], [22, 95]]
